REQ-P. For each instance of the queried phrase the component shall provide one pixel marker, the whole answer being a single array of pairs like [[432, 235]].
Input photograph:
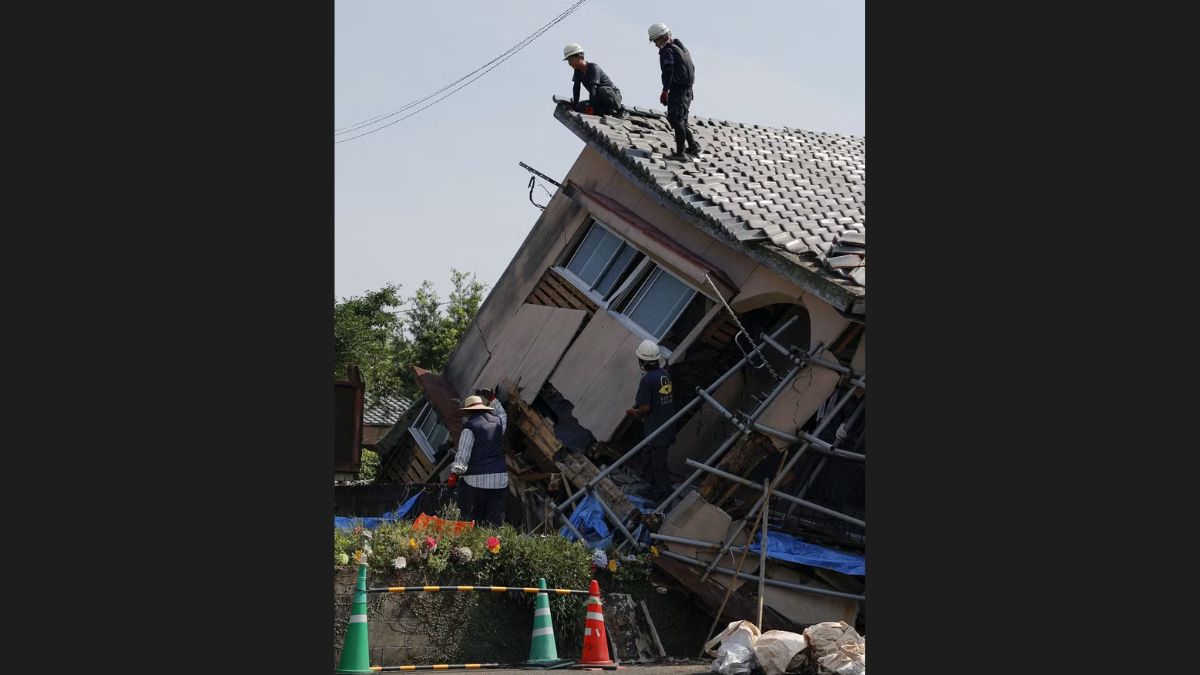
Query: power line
[[485, 68]]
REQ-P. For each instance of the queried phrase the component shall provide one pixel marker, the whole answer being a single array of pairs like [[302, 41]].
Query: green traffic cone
[[356, 657], [542, 651]]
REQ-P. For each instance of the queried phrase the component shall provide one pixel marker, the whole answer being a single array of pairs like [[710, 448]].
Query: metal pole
[[832, 365], [721, 409], [570, 525], [812, 478], [787, 379], [780, 476], [532, 170], [613, 517], [782, 495], [816, 444], [770, 582], [762, 559], [693, 403]]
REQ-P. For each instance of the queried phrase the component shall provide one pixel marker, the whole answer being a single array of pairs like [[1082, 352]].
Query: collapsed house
[[747, 266]]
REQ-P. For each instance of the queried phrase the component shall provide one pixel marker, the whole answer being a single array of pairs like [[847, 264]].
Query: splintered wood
[[543, 446]]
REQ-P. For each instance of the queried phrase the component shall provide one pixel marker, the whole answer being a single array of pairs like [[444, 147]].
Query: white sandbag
[[735, 655], [837, 648], [780, 651]]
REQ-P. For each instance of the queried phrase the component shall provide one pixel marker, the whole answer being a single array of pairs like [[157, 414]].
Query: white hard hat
[[571, 50], [658, 30], [648, 351]]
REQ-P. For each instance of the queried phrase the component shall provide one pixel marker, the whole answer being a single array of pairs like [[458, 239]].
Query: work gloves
[[452, 480], [662, 98]]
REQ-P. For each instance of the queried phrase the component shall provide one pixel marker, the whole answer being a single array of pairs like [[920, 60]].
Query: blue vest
[[487, 454]]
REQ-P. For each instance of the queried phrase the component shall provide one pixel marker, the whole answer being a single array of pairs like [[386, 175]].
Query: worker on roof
[[655, 404], [678, 76], [480, 460], [604, 97]]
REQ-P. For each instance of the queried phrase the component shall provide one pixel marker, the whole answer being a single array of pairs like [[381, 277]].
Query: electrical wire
[[485, 68]]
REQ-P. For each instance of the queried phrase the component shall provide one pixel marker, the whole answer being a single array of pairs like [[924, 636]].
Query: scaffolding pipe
[[716, 455], [691, 404], [817, 445], [613, 517], [821, 465], [782, 495], [721, 409], [831, 365], [762, 559], [780, 476], [570, 525], [770, 582]]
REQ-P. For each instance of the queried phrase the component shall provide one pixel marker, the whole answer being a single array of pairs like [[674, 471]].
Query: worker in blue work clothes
[[655, 404], [678, 76], [480, 460], [605, 98]]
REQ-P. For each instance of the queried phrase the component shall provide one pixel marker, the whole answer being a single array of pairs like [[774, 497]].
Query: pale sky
[[443, 188]]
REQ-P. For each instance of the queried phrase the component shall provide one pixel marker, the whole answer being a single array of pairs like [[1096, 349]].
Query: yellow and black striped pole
[[439, 666], [470, 589]]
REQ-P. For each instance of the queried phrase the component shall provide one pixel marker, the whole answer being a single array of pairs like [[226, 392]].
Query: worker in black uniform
[[604, 97], [678, 76]]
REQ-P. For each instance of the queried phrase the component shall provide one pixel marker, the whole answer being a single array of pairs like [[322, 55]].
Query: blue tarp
[[372, 523], [793, 549], [588, 518]]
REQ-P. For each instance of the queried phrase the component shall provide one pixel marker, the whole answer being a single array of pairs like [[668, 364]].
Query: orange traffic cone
[[595, 641]]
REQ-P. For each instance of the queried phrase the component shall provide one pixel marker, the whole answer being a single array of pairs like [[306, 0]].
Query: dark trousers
[[481, 504], [607, 101], [677, 114], [660, 473]]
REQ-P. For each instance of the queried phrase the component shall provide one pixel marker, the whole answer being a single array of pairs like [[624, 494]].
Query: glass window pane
[[695, 311], [438, 437], [591, 269], [429, 419], [661, 300], [616, 271], [593, 254]]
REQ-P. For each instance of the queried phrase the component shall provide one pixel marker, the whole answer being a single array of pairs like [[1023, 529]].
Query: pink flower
[[431, 543], [493, 544]]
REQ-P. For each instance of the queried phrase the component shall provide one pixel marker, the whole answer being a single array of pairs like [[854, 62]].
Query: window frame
[[643, 269], [422, 440]]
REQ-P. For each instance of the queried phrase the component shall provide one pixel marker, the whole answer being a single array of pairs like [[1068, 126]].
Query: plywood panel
[[613, 389], [547, 349], [589, 353], [526, 357]]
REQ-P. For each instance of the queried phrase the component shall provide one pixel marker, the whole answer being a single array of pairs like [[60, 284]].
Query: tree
[[430, 334], [386, 334], [365, 331]]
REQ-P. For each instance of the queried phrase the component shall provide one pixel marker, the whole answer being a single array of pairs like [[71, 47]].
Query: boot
[[693, 147], [679, 156]]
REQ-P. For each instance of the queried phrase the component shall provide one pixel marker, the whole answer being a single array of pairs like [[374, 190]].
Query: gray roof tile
[[795, 189]]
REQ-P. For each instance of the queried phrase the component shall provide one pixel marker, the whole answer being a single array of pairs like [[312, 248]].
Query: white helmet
[[571, 50], [658, 30], [648, 351]]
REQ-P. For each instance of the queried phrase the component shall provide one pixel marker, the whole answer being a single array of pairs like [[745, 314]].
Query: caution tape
[[439, 666], [468, 589]]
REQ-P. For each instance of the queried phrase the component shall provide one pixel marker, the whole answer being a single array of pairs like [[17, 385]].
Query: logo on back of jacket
[[664, 390]]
